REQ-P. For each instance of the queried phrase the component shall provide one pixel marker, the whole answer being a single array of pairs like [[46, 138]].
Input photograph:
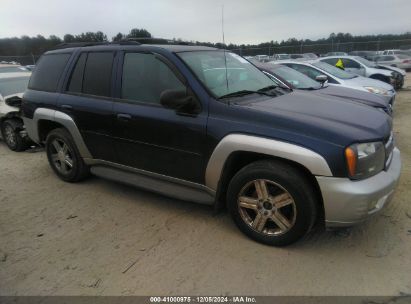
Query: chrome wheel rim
[[267, 207], [10, 135], [61, 156]]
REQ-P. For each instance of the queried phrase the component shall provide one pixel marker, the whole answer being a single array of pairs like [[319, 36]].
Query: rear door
[[87, 99], [149, 136]]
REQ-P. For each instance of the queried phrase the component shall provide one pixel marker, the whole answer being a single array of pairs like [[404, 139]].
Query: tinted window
[[97, 74], [351, 64], [145, 77], [76, 80], [48, 72]]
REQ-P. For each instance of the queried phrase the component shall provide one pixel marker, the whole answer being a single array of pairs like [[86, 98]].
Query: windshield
[[15, 85], [333, 70], [366, 62], [296, 79], [209, 67]]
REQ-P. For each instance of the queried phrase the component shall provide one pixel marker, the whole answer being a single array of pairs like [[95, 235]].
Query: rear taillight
[[406, 61]]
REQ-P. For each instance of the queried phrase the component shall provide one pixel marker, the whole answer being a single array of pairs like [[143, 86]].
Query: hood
[[364, 82], [363, 97], [332, 119], [385, 72], [391, 68]]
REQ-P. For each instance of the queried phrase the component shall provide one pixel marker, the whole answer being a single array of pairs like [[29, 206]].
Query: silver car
[[338, 77], [362, 67], [400, 61]]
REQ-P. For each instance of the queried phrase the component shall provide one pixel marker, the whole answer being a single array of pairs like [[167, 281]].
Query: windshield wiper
[[311, 88], [243, 93], [268, 88]]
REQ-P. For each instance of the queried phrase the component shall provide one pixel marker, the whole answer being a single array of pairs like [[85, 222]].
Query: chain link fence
[[317, 48], [323, 48]]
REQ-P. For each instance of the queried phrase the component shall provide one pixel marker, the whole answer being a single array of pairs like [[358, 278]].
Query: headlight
[[365, 160], [376, 90]]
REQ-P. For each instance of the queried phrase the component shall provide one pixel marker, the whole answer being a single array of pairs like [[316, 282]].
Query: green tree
[[139, 33]]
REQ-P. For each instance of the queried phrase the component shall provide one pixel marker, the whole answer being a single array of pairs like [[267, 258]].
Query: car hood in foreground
[[370, 99], [334, 120]]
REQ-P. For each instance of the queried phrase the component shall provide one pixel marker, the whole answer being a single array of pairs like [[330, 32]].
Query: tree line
[[26, 46]]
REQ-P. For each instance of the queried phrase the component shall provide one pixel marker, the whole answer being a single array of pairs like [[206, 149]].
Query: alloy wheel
[[61, 156], [267, 207]]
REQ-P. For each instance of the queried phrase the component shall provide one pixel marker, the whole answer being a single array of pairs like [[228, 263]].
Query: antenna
[[225, 57]]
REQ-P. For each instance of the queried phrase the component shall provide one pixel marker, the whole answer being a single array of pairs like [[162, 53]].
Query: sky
[[245, 21]]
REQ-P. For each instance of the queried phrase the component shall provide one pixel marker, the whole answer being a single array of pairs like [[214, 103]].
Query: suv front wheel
[[63, 156], [272, 202]]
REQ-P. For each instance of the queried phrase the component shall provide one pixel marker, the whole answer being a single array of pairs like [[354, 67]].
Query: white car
[[12, 87], [400, 61], [338, 77], [362, 67]]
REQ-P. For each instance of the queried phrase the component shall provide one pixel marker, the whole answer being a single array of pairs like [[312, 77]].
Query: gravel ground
[[103, 238]]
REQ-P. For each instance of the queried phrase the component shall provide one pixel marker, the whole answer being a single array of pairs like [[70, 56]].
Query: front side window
[[145, 77], [225, 72], [298, 80], [48, 72], [334, 71]]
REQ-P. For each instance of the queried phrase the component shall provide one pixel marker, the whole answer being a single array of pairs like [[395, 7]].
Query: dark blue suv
[[205, 125]]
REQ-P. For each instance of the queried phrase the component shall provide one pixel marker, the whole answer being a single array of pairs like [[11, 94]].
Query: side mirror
[[321, 78], [180, 101]]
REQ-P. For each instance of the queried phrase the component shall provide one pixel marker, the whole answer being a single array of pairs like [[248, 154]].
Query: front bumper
[[348, 202]]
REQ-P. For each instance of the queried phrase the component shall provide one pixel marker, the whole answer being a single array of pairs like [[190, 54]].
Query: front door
[[149, 136]]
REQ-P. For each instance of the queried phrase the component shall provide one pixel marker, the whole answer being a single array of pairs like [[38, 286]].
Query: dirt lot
[[103, 238]]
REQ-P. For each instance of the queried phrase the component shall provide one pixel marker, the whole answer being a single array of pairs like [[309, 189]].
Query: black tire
[[292, 183], [10, 131], [78, 170]]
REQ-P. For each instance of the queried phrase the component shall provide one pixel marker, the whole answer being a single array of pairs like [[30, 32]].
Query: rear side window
[[92, 74], [76, 80], [145, 77], [97, 74], [48, 72]]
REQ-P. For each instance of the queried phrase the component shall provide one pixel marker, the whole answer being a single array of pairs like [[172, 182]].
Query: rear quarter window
[[48, 72]]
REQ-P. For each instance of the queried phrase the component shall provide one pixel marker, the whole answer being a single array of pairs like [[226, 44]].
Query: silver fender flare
[[313, 161], [32, 127]]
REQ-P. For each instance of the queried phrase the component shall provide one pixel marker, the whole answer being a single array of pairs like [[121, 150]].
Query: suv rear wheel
[[63, 156], [272, 203]]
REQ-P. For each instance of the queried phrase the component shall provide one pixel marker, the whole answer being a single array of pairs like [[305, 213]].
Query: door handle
[[67, 107], [124, 117]]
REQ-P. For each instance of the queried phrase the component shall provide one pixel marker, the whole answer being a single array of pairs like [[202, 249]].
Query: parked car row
[[283, 145]]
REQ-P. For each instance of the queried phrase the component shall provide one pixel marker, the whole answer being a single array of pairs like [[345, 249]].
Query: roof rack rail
[[152, 40], [79, 44]]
